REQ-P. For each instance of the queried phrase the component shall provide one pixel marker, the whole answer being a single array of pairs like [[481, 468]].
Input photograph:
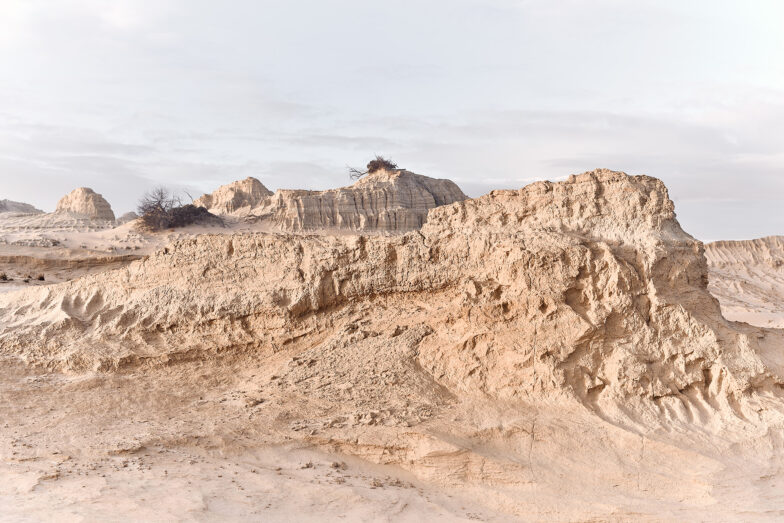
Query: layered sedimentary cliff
[[748, 279], [391, 201], [552, 353], [234, 197], [18, 207], [86, 202], [396, 200], [587, 287]]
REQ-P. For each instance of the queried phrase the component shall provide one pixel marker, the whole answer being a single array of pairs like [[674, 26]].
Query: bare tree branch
[[159, 209], [377, 164]]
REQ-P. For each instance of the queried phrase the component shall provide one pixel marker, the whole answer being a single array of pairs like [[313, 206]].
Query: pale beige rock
[[392, 201], [546, 354], [127, 217], [18, 207], [86, 202], [566, 276], [234, 197], [748, 279]]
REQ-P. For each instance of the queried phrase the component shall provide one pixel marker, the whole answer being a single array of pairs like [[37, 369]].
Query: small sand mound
[[127, 217]]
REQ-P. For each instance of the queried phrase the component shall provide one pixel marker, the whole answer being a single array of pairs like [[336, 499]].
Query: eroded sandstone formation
[[18, 207], [386, 200], [234, 197], [396, 200], [86, 202], [127, 217], [748, 279], [587, 288], [552, 353]]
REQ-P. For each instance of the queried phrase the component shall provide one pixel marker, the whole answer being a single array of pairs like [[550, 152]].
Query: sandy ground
[[143, 446], [66, 473], [63, 247]]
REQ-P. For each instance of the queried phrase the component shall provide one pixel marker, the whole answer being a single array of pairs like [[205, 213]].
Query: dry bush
[[154, 208], [189, 214], [159, 209], [376, 164]]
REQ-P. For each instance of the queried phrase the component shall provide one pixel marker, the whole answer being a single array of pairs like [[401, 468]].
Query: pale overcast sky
[[122, 95]]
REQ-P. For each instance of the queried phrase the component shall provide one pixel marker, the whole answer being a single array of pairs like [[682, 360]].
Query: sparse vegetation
[[40, 277], [159, 209], [3, 276], [376, 164]]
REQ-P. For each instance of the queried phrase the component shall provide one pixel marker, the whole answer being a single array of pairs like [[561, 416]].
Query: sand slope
[[748, 279]]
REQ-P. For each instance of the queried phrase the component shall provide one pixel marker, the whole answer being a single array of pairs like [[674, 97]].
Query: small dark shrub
[[155, 207], [40, 277], [3, 276], [159, 209], [189, 214], [376, 164]]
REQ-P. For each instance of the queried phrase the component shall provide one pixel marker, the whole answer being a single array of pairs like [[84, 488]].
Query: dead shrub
[[378, 163], [159, 209]]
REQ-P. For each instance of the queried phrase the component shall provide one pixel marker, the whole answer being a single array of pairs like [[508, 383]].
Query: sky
[[125, 95]]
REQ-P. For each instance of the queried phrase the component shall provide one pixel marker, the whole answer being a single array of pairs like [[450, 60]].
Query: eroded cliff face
[[385, 201], [236, 197], [748, 279], [585, 289], [18, 207], [86, 202], [552, 353]]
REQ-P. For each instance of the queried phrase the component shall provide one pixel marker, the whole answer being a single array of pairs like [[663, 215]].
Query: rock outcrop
[[86, 202], [551, 352], [127, 217], [748, 279], [391, 201], [587, 288], [235, 197], [18, 207]]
